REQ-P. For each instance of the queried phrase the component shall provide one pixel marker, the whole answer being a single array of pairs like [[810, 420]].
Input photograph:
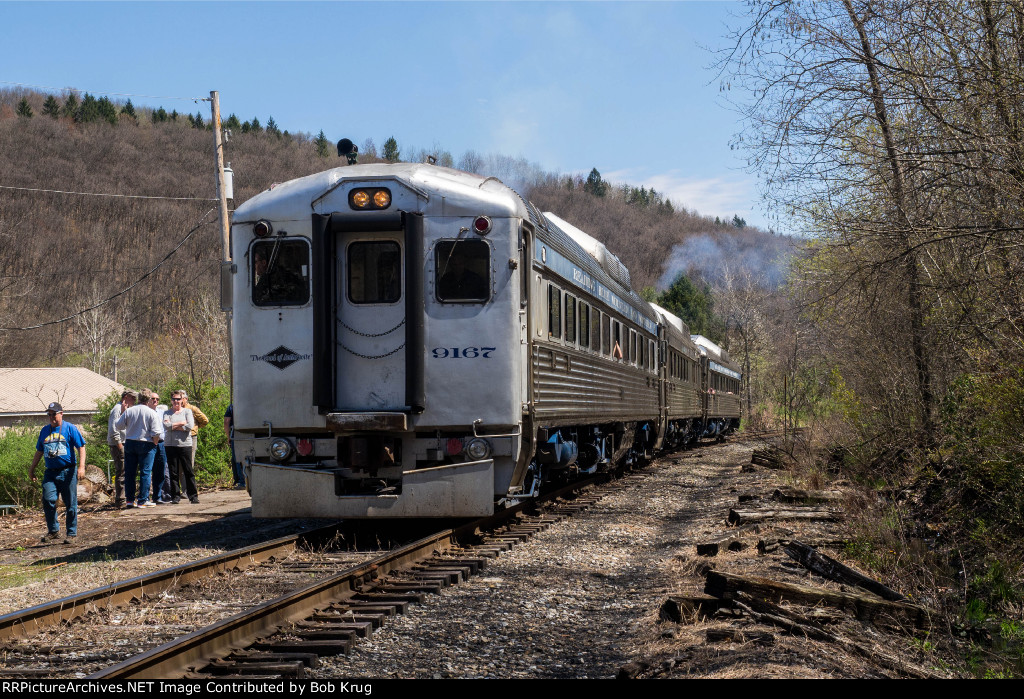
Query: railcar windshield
[[463, 271], [280, 272], [374, 272]]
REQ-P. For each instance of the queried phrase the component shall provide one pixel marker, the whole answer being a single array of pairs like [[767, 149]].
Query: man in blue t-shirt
[[58, 442]]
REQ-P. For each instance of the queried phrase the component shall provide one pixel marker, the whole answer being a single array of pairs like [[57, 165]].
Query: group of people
[[154, 448]]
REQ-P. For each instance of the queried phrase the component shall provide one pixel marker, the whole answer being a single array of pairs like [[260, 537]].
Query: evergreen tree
[[391, 153], [24, 108], [595, 185], [51, 107], [70, 106], [738, 222], [246, 127], [160, 115], [89, 111], [256, 126], [323, 146], [691, 304], [106, 110], [174, 115], [197, 121], [129, 110], [233, 123], [272, 127]]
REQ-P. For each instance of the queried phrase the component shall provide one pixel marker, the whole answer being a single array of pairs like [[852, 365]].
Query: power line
[[202, 222], [102, 92], [102, 194]]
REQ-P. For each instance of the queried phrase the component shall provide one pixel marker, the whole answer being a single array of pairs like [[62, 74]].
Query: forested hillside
[[150, 243]]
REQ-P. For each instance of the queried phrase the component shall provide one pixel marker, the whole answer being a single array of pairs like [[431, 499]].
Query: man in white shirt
[[142, 434]]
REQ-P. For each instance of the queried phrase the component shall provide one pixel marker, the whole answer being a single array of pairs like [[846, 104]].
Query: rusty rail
[[28, 621]]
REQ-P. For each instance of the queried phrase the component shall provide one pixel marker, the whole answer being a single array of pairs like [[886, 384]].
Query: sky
[[626, 87]]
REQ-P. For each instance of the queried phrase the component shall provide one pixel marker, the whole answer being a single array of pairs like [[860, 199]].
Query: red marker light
[[304, 447], [454, 446], [482, 225]]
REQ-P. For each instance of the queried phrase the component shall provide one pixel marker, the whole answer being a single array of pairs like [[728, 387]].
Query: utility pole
[[227, 268], [218, 146]]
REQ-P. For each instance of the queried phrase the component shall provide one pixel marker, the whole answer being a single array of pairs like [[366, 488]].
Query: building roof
[[29, 391]]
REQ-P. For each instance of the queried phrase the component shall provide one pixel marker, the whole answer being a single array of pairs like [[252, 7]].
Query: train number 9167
[[462, 352]]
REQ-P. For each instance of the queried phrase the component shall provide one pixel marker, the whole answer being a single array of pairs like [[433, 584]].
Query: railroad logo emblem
[[281, 357]]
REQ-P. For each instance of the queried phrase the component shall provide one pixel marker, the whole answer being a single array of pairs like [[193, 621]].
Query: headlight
[[369, 199], [382, 198], [280, 449], [478, 449]]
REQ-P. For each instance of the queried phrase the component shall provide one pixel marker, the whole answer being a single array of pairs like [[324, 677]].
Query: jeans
[[160, 472], [62, 482], [138, 458], [237, 470]]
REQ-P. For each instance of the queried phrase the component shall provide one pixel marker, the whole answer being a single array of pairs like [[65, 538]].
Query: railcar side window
[[584, 325], [280, 272], [374, 272], [595, 330], [606, 334], [570, 318], [463, 271], [554, 312]]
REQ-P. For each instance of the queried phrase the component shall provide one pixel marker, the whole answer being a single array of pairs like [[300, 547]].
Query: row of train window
[[680, 367], [280, 272], [724, 384], [590, 329]]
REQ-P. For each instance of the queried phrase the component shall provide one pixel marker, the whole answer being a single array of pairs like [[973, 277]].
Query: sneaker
[[163, 502], [120, 505], [70, 539], [50, 536], [194, 501], [175, 501], [148, 504], [129, 505]]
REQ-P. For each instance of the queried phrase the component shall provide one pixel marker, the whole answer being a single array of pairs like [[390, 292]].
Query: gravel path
[[579, 600]]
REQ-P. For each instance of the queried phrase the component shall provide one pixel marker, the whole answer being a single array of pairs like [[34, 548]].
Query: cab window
[[462, 271], [280, 272], [374, 272]]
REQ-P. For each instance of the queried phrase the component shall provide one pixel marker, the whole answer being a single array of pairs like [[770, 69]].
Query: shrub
[[17, 448]]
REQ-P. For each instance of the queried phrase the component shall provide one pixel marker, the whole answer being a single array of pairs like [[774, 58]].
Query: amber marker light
[[382, 198], [360, 199]]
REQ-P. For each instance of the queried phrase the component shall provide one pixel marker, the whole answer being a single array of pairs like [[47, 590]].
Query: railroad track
[[264, 635]]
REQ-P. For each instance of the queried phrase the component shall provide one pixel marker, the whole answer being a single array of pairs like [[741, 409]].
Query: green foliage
[[738, 222], [24, 109], [51, 107], [595, 185], [70, 108], [160, 116], [233, 123], [323, 146], [255, 126], [272, 127], [982, 493], [391, 153], [129, 110], [89, 111], [106, 110], [694, 306], [197, 121], [17, 448]]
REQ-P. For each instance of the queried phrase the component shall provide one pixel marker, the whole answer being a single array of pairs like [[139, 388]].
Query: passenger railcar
[[414, 341]]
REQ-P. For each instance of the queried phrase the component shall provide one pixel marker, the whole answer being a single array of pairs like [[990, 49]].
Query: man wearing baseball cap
[[58, 442]]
